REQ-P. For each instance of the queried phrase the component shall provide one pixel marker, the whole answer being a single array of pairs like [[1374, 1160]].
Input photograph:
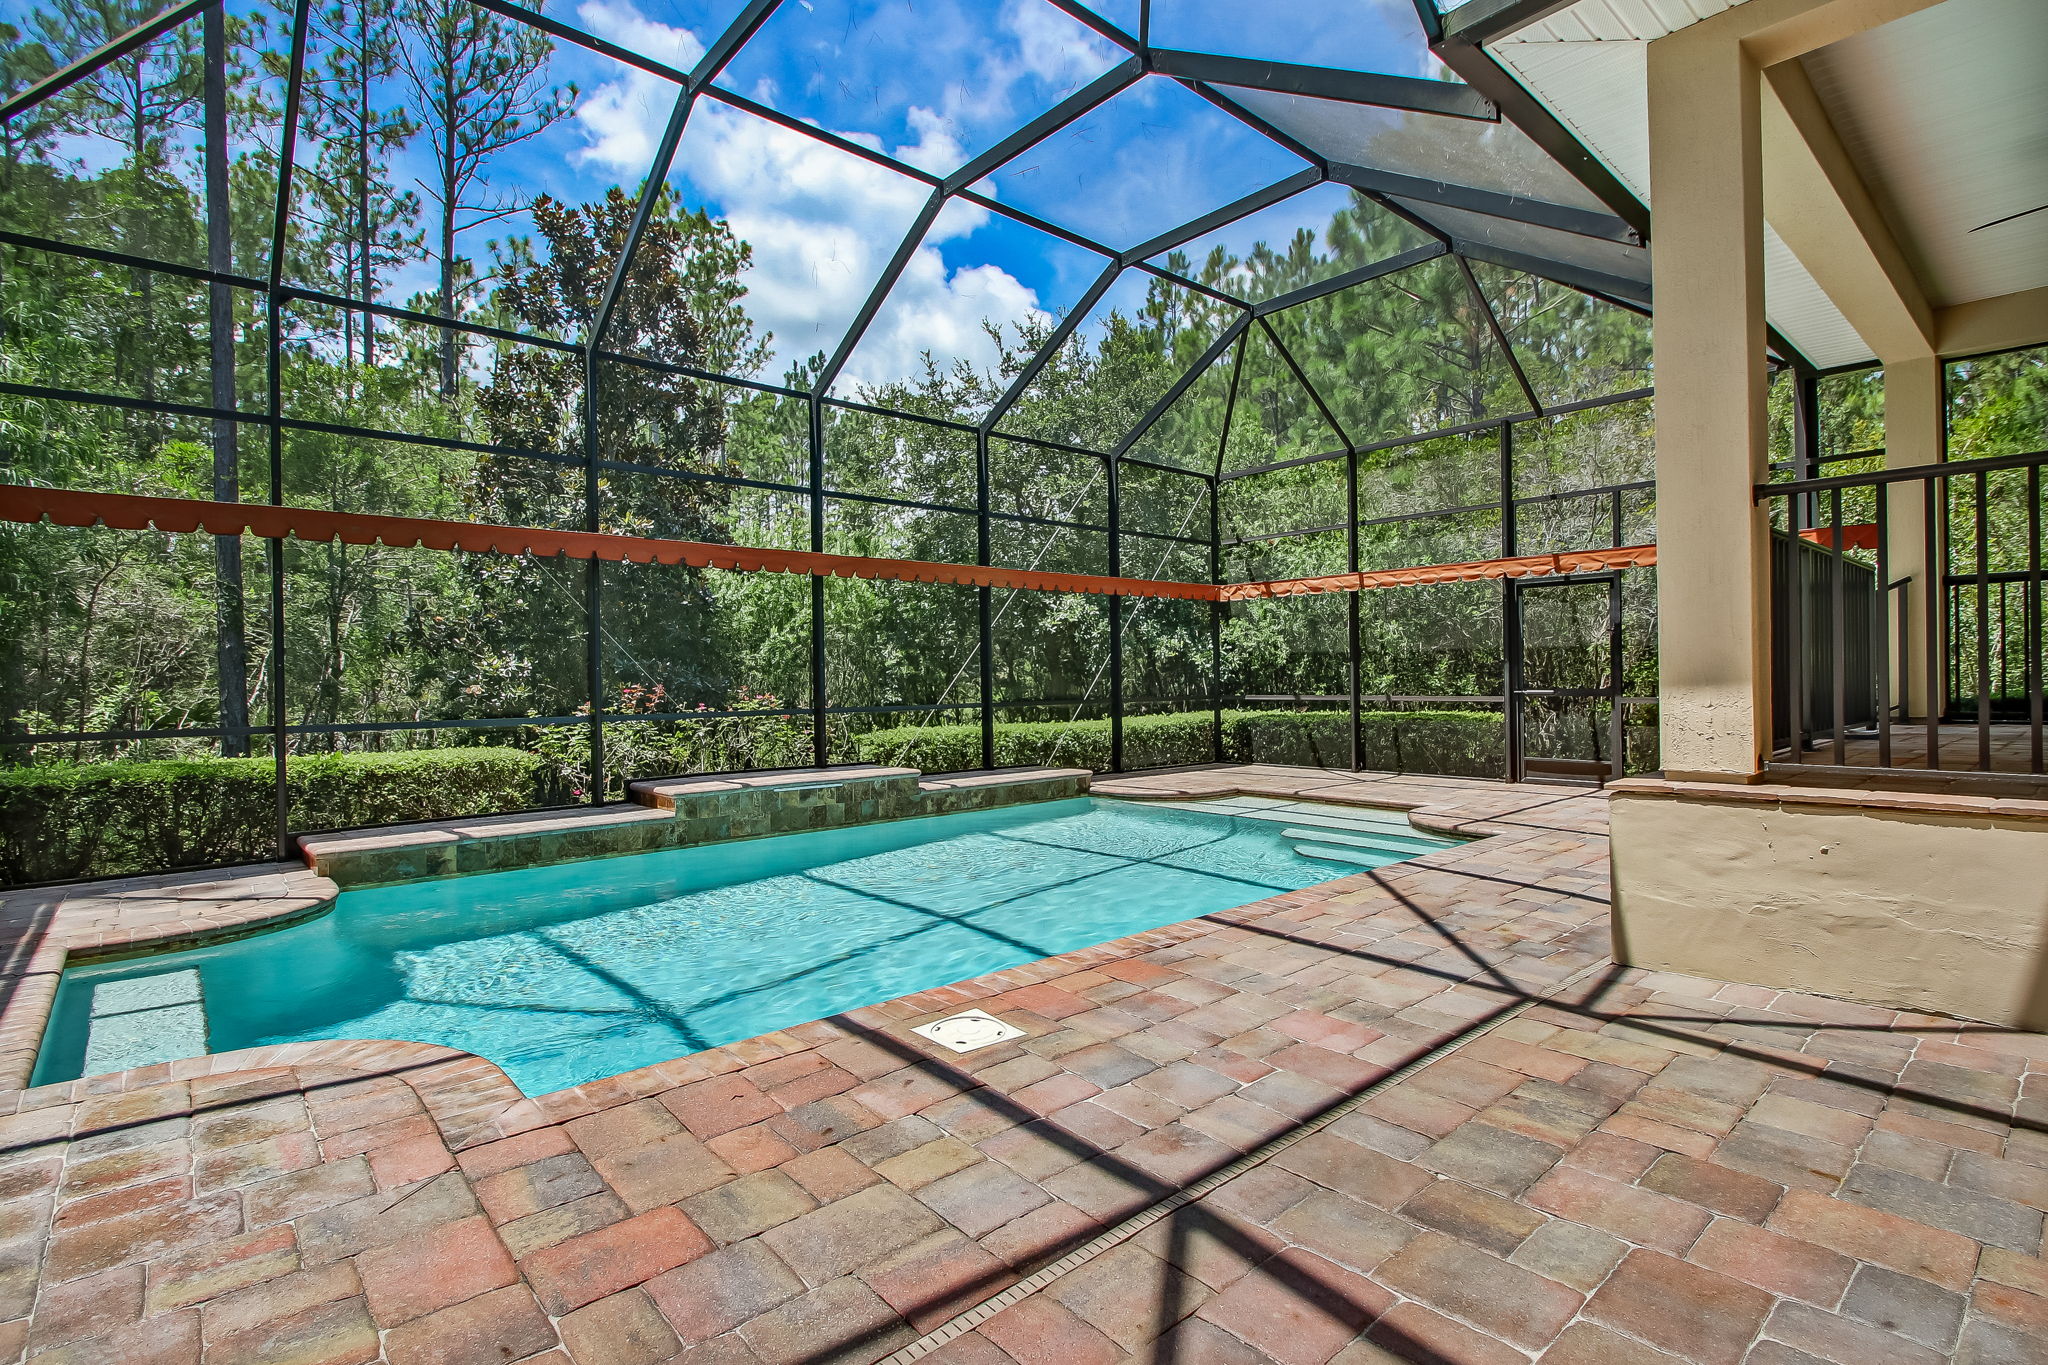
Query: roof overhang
[[1887, 124]]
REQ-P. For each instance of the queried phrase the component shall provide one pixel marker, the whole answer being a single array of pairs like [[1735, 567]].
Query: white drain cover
[[966, 1032]]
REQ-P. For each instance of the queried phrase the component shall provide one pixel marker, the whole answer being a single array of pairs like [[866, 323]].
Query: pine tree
[[26, 136], [138, 103], [479, 87], [364, 222], [231, 648]]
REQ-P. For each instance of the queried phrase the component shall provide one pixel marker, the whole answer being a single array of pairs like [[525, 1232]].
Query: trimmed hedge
[[1455, 743], [111, 819]]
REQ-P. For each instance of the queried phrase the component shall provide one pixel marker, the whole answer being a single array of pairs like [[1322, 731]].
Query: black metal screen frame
[[1210, 80]]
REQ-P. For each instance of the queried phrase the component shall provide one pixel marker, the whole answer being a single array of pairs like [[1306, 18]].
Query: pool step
[[1407, 845], [1331, 853], [144, 1020], [1333, 817], [1362, 835], [1324, 815]]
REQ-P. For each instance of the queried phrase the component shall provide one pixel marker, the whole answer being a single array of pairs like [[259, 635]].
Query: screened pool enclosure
[[1074, 325]]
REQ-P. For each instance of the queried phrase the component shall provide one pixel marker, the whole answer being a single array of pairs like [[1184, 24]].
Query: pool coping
[[471, 1098]]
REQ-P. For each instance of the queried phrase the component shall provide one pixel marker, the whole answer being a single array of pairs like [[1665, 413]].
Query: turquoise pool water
[[568, 973]]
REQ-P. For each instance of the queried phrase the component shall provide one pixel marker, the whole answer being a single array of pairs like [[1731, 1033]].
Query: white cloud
[[822, 222], [1049, 47], [823, 225], [932, 310], [935, 148], [999, 86], [623, 118], [634, 31]]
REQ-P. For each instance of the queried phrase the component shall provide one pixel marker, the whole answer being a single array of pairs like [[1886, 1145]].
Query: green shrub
[[1454, 743], [110, 819], [1450, 743], [1025, 744], [1308, 739], [346, 791]]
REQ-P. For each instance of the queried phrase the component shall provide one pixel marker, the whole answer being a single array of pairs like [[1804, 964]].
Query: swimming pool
[[567, 973]]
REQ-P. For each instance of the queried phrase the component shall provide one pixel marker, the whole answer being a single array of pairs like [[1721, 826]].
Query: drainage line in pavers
[[1188, 1194]]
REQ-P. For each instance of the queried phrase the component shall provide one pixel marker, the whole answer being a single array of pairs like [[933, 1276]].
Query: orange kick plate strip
[[127, 511], [1522, 566], [1858, 537], [67, 507]]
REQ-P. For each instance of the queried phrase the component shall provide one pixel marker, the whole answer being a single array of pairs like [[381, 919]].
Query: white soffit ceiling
[[1588, 64], [1945, 113], [1599, 90], [1624, 20], [1801, 310]]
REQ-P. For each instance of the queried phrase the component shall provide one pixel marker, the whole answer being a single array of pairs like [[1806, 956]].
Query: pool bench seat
[[491, 843], [945, 793]]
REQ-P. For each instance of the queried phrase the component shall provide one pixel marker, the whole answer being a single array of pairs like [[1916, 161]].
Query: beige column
[[1713, 567], [1913, 435]]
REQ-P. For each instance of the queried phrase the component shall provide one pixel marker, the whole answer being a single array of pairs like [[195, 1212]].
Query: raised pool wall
[[677, 813]]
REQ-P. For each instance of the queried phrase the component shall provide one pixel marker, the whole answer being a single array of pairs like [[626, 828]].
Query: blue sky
[[931, 83]]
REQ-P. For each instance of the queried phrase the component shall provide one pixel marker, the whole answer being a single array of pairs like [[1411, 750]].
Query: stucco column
[[1713, 566], [1913, 435]]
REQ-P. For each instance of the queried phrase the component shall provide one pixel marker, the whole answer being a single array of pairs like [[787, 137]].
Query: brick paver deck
[[1608, 1166]]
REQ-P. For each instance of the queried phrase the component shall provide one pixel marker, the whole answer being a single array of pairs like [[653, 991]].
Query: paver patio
[[1609, 1166]]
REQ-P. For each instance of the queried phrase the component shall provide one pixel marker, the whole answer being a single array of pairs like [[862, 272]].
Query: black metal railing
[[1994, 635], [1824, 650], [1849, 656]]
